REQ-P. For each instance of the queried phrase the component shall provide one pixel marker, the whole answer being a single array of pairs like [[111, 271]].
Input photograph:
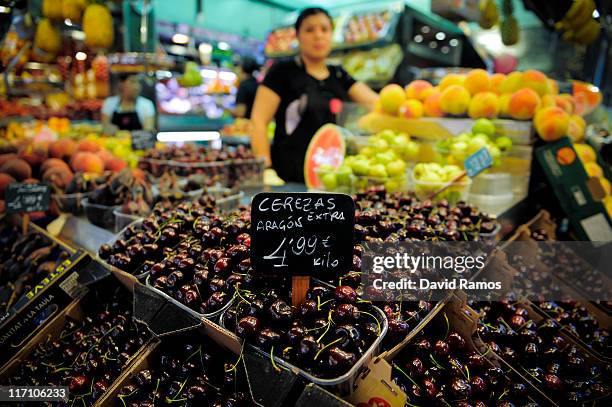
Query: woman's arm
[[363, 94], [264, 109], [149, 123]]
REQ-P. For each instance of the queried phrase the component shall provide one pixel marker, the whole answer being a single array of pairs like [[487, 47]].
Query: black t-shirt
[[246, 94], [305, 106]]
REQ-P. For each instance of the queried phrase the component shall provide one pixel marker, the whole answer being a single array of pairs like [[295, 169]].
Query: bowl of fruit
[[429, 178], [456, 149]]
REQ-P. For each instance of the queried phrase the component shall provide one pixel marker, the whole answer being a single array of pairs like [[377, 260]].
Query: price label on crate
[[143, 140], [478, 162], [23, 198], [302, 234]]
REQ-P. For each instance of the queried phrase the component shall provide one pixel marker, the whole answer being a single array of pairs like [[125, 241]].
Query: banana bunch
[[489, 14], [578, 25]]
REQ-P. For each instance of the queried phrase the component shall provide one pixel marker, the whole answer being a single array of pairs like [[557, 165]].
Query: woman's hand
[[265, 107]]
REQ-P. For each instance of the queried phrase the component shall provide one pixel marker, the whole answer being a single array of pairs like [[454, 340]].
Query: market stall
[[450, 247]]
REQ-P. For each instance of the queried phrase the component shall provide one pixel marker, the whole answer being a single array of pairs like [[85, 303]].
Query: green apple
[[380, 145], [504, 143], [451, 172], [463, 137], [476, 144], [431, 178], [393, 184], [343, 175], [329, 181], [484, 126], [400, 140], [378, 171], [419, 170], [459, 150], [360, 167], [411, 151], [384, 158], [387, 135], [325, 168], [367, 151], [397, 167]]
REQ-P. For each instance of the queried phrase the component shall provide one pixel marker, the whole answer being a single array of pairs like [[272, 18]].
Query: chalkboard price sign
[[27, 198], [306, 234], [143, 140]]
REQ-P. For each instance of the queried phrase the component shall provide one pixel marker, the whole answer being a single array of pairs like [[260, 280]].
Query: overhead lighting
[[595, 13], [440, 36], [223, 46], [180, 39], [181, 136], [205, 48], [5, 10], [81, 56], [418, 38], [68, 22], [454, 42]]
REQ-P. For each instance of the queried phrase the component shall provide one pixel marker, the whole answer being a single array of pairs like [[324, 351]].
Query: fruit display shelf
[[441, 364], [539, 350], [27, 261], [86, 347], [353, 330], [228, 167], [189, 369]]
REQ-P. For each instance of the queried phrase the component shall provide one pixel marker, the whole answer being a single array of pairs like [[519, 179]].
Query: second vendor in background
[[128, 110], [301, 95]]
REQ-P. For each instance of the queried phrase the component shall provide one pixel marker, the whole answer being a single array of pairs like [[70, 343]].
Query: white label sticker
[[597, 228]]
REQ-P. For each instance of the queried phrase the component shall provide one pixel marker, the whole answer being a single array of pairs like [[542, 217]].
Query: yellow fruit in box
[[585, 152], [605, 184], [52, 9], [98, 26], [593, 169], [607, 201], [73, 9], [47, 37]]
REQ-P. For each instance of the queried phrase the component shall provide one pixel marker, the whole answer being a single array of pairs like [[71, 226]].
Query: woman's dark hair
[[249, 65], [122, 77], [311, 11]]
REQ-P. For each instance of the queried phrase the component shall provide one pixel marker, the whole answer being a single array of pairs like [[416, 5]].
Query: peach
[[87, 145], [566, 102], [551, 123], [105, 155], [496, 80], [585, 152], [7, 157], [115, 164], [484, 104], [428, 92], [455, 100], [553, 86], [17, 168], [62, 148], [391, 98], [34, 154], [450, 80], [523, 104], [577, 128], [5, 180], [416, 89], [476, 81], [431, 106], [411, 109], [87, 162], [512, 83], [593, 169], [53, 163], [536, 81], [504, 100], [58, 176]]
